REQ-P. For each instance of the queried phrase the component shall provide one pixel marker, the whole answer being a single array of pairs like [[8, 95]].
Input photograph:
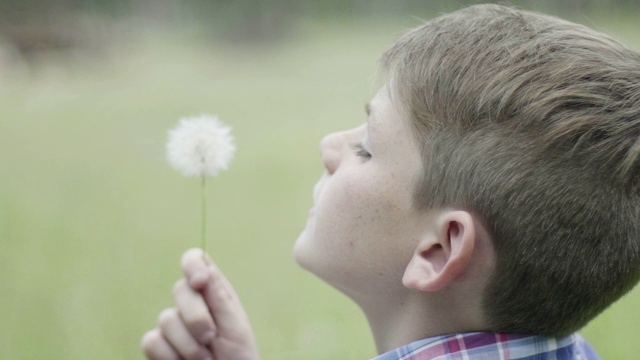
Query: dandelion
[[201, 146]]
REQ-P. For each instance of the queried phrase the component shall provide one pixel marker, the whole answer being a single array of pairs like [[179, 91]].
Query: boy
[[489, 207]]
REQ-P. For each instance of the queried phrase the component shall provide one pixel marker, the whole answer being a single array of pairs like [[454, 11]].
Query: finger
[[195, 268], [156, 347], [194, 312], [222, 300], [176, 333]]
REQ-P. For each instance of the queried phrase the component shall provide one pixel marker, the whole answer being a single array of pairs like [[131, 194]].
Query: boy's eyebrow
[[368, 109]]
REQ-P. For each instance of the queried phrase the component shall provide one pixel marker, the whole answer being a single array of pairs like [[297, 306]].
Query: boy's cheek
[[354, 219]]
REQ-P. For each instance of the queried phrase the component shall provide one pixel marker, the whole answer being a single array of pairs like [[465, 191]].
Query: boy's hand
[[208, 321]]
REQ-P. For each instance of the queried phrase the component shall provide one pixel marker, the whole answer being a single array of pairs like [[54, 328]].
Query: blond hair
[[533, 124]]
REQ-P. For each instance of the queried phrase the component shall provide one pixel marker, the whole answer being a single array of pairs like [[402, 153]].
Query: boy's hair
[[533, 124]]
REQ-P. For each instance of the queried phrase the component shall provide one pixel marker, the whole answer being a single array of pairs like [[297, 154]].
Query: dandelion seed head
[[200, 145]]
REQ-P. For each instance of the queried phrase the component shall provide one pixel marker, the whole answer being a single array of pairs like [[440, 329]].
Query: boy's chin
[[306, 256], [301, 252]]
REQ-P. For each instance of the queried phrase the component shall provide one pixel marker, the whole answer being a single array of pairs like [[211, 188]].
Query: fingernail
[[207, 337]]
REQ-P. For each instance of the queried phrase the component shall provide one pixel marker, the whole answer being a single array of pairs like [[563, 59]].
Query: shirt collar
[[493, 346]]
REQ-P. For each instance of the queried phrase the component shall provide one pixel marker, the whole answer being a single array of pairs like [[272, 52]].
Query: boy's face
[[363, 229]]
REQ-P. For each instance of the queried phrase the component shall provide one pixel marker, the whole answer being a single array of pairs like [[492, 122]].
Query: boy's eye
[[359, 150]]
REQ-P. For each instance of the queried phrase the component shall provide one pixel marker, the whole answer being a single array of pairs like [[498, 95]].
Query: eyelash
[[359, 150]]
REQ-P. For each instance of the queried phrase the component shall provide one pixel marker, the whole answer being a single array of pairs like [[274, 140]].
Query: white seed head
[[200, 145]]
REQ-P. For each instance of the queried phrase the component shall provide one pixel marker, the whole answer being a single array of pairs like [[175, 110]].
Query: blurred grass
[[93, 221]]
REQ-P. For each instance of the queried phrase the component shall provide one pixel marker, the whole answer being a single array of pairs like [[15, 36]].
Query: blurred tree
[[33, 26]]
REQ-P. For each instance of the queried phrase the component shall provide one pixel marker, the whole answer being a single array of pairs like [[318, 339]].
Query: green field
[[93, 221]]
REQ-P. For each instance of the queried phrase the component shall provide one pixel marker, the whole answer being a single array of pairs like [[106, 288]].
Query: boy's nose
[[330, 150]]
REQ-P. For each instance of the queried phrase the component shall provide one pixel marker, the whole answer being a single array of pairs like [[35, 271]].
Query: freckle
[[351, 244]]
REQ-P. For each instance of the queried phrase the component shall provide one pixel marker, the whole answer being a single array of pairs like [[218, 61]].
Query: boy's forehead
[[371, 118], [380, 106], [371, 122], [382, 115], [376, 104]]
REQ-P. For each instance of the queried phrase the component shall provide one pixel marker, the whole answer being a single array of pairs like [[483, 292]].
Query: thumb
[[195, 266], [204, 276]]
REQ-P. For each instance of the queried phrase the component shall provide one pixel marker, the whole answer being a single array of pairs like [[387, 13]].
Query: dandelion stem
[[203, 188]]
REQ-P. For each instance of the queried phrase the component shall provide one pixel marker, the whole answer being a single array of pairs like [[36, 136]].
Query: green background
[[93, 221]]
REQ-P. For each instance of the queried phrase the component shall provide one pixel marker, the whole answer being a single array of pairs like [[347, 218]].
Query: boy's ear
[[443, 253]]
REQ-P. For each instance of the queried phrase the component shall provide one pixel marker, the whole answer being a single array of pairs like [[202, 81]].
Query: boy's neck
[[416, 316]]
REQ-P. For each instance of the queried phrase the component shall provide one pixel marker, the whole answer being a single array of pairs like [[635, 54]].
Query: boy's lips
[[317, 189], [316, 192]]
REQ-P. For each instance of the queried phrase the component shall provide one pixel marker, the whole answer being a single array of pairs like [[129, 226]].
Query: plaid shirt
[[490, 346]]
